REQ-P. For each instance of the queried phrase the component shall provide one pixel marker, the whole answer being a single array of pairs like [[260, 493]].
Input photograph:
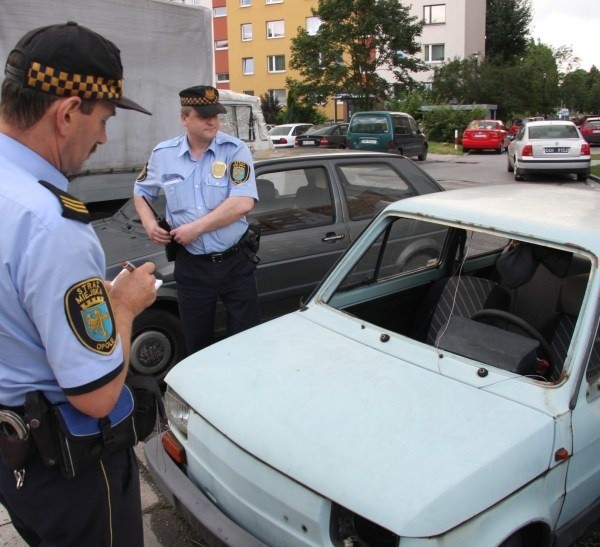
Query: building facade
[[252, 40]]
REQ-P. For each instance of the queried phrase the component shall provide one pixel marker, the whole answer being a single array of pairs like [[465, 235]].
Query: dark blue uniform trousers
[[200, 283], [99, 508]]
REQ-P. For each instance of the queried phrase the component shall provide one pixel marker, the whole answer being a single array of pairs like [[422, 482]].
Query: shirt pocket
[[216, 192], [176, 191]]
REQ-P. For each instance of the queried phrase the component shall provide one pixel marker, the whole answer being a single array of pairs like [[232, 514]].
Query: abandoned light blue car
[[451, 399]]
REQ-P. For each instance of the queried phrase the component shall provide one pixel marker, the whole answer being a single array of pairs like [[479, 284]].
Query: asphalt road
[[163, 526]]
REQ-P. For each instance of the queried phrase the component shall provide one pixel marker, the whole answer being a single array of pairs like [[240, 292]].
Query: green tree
[[456, 82], [357, 38], [507, 29], [574, 90], [298, 110], [269, 104]]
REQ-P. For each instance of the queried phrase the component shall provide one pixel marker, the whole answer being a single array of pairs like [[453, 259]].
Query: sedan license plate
[[557, 150], [369, 141], [480, 135], [308, 143]]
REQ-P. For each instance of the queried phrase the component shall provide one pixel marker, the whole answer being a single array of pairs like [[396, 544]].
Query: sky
[[574, 23]]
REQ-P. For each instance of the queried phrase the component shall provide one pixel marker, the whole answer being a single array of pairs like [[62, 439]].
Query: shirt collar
[[29, 161]]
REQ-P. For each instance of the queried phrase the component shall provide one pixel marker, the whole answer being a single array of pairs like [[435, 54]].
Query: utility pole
[[544, 96]]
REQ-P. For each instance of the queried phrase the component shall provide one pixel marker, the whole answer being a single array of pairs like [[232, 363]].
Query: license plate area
[[308, 143], [369, 141], [556, 150]]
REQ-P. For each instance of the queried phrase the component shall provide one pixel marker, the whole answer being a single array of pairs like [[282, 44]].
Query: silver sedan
[[550, 146]]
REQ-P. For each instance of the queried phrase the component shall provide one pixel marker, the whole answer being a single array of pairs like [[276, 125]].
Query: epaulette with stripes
[[72, 207]]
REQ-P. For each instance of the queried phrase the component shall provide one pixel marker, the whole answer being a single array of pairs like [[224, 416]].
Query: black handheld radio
[[171, 247]]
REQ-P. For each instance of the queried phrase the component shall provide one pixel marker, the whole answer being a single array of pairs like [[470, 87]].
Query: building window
[[433, 53], [279, 94], [248, 65], [220, 12], [245, 3], [221, 44], [223, 77], [246, 32], [276, 63], [312, 25], [275, 29], [434, 15], [273, 1]]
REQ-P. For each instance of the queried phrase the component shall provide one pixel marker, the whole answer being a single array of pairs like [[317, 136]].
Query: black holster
[[39, 419], [15, 440], [250, 242]]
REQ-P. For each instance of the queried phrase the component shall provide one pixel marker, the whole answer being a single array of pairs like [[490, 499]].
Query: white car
[[447, 399], [284, 136], [549, 147]]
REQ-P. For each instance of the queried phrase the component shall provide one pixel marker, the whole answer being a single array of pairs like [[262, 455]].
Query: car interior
[[509, 304]]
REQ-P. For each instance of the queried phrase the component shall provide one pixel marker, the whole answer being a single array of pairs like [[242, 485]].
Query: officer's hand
[[158, 235], [186, 233], [134, 291]]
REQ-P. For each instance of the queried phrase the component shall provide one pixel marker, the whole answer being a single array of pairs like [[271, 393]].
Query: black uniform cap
[[204, 99], [70, 60]]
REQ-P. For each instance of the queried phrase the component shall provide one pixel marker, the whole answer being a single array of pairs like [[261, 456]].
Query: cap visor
[[124, 102], [210, 109]]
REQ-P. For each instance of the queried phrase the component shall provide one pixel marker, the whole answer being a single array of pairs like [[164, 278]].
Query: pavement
[[163, 526]]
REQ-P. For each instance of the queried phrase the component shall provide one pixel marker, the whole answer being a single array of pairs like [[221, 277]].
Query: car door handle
[[332, 236]]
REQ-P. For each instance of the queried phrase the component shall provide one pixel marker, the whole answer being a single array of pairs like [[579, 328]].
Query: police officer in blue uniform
[[208, 180], [64, 330]]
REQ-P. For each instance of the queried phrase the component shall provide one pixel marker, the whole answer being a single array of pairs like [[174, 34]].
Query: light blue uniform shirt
[[50, 288], [194, 188]]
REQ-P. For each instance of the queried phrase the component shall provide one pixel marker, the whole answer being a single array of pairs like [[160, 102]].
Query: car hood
[[405, 447], [123, 240]]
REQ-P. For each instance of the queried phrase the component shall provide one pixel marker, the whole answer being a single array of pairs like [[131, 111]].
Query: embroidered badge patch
[[90, 315], [143, 174], [239, 172], [219, 169]]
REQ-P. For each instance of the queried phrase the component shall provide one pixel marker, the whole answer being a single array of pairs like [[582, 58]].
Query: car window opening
[[512, 305]]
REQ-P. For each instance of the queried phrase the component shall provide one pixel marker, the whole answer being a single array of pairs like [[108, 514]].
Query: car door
[[583, 476], [303, 232]]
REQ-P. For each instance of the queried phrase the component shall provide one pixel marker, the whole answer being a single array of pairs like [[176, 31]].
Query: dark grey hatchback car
[[311, 208]]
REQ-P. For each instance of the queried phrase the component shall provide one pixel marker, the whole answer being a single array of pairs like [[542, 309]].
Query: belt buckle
[[216, 258]]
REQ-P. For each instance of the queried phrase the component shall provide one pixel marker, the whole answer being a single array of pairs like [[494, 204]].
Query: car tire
[[582, 177], [499, 150], [157, 343], [423, 155], [509, 166], [466, 150], [517, 173]]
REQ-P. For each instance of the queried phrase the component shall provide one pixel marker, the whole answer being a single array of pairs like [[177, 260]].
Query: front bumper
[[212, 525]]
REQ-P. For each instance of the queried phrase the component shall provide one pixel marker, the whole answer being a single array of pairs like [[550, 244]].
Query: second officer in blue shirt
[[208, 180]]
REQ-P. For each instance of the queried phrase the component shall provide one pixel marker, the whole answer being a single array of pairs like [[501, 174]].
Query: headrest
[[572, 292], [519, 261]]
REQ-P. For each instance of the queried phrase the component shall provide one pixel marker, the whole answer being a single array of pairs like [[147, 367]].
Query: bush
[[441, 123]]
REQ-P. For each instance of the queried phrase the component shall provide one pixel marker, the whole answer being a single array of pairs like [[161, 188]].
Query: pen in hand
[[127, 265]]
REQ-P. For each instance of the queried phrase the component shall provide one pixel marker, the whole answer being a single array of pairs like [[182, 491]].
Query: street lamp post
[[544, 96]]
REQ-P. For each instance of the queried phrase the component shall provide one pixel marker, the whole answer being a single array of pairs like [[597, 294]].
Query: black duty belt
[[216, 258]]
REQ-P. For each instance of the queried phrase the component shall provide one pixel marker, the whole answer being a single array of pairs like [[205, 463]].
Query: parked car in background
[[409, 404], [551, 146], [384, 131], [590, 130], [485, 135], [331, 135], [312, 206], [514, 126], [284, 136]]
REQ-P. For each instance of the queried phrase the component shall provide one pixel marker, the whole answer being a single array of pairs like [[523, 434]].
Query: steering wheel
[[531, 331]]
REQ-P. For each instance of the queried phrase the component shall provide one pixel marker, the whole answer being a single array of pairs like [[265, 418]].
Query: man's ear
[[66, 108]]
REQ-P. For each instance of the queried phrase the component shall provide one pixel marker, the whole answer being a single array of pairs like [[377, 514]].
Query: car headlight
[[178, 411]]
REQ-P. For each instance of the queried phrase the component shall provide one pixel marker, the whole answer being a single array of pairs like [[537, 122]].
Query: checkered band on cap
[[64, 84], [210, 97]]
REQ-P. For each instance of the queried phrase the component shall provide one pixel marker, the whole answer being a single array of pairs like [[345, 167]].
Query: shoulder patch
[[72, 207], [143, 174], [90, 316], [239, 172]]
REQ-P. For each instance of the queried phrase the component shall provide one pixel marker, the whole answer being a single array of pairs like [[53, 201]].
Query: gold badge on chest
[[219, 169]]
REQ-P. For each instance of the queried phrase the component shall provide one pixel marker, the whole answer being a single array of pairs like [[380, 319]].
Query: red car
[[590, 130], [485, 135], [516, 124]]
